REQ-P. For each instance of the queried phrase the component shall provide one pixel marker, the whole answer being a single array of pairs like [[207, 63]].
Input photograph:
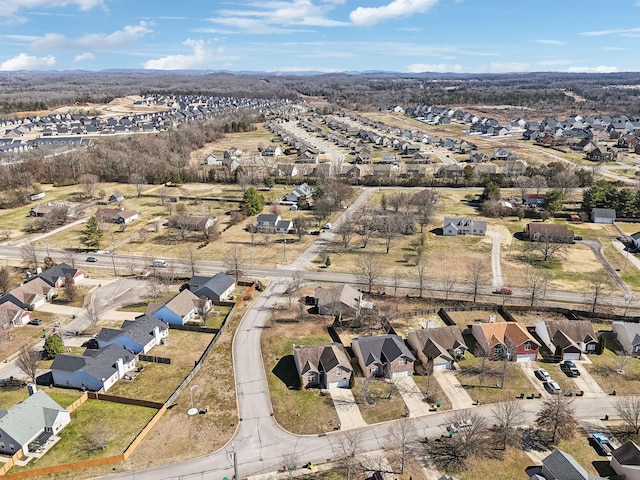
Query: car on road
[[91, 259], [503, 291], [552, 387], [543, 375], [569, 368], [35, 321]]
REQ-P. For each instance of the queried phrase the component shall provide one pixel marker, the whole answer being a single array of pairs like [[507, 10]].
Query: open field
[[26, 334], [93, 425], [301, 411]]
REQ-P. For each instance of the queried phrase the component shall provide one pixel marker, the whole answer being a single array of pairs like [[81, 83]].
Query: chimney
[[156, 334], [31, 388], [120, 367]]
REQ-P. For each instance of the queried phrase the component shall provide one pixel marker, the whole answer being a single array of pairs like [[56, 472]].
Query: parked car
[[552, 387], [35, 321], [503, 291], [569, 368], [543, 375], [92, 259], [603, 444]]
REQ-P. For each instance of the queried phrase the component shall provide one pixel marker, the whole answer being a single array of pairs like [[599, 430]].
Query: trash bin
[[73, 316], [438, 404]]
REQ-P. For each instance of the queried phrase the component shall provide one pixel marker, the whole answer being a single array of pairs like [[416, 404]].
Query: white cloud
[[434, 67], [28, 62], [84, 57], [598, 69], [201, 58], [93, 41], [9, 8], [366, 16], [308, 69], [623, 32], [506, 67], [557, 43]]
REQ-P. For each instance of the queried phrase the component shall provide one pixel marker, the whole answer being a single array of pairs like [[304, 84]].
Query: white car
[[552, 387], [543, 375]]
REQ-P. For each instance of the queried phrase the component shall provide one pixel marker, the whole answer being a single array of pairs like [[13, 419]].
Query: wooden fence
[[152, 358]]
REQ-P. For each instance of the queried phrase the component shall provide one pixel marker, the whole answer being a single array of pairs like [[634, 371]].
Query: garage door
[[530, 357], [401, 374], [571, 356], [440, 367], [340, 384]]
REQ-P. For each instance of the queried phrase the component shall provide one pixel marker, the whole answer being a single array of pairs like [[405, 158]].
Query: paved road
[[595, 245]]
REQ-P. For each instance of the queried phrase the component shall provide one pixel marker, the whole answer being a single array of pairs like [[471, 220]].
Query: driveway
[[586, 382], [529, 369], [496, 267], [595, 245], [346, 408], [412, 396], [450, 385]]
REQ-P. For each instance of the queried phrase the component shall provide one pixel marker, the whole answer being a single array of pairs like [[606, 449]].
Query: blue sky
[[465, 36]]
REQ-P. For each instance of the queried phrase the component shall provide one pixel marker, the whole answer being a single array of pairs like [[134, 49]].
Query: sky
[[407, 36]]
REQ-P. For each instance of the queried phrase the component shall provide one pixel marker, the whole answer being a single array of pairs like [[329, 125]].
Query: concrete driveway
[[586, 382], [412, 396], [450, 385], [529, 369], [346, 408]]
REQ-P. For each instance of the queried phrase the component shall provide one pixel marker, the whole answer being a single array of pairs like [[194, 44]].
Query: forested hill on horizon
[[541, 93]]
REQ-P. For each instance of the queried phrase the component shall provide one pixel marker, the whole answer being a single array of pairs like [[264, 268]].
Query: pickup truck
[[503, 291], [603, 444]]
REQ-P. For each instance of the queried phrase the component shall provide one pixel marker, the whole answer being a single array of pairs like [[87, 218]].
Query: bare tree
[[536, 281], [523, 183], [70, 287], [388, 228], [538, 182], [349, 445], [448, 283], [369, 269], [425, 203], [402, 435], [599, 285], [365, 226], [234, 261], [346, 232], [557, 418], [71, 258], [138, 181], [507, 415], [549, 246], [398, 201], [88, 181], [92, 313], [154, 286], [191, 259], [628, 408], [27, 361], [479, 275], [5, 279], [30, 256], [421, 274]]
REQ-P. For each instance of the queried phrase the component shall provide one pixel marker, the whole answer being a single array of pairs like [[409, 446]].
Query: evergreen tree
[[269, 182], [491, 192], [92, 233], [553, 201], [252, 202], [53, 346]]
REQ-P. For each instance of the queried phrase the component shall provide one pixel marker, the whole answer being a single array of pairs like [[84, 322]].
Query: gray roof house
[[179, 309], [324, 366], [95, 370], [463, 226], [628, 336], [137, 336], [56, 275], [216, 288], [603, 215], [343, 301], [438, 347], [625, 461], [383, 356], [28, 422], [559, 465], [568, 339]]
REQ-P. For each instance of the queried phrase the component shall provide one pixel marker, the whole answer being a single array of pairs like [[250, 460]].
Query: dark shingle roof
[[381, 348], [52, 274], [627, 454], [97, 363], [215, 286]]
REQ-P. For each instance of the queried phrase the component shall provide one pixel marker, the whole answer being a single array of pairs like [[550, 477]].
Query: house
[[57, 275], [301, 191], [438, 347], [216, 288], [341, 301], [194, 223], [635, 240], [323, 366], [116, 215], [116, 197], [628, 336], [383, 356], [463, 226], [548, 232], [568, 339], [180, 309], [510, 338], [47, 209], [271, 223], [31, 422], [11, 314], [625, 461], [95, 370], [31, 295], [137, 336], [533, 199], [559, 465], [603, 215]]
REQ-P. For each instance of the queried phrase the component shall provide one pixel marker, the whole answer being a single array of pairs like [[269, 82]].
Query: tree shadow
[[287, 372]]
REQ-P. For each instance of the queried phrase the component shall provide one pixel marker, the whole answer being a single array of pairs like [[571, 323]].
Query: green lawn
[[604, 369], [10, 396]]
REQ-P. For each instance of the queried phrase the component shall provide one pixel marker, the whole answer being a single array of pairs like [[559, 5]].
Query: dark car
[[92, 259], [35, 321], [569, 368]]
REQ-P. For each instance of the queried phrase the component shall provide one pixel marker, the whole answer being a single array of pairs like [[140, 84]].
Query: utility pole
[[235, 461], [113, 256]]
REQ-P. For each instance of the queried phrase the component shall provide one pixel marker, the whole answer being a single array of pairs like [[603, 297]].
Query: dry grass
[[510, 466], [385, 402], [463, 319], [605, 370], [436, 393]]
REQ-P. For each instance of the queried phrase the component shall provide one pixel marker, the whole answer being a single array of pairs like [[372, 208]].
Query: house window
[[374, 370], [312, 378], [591, 347], [338, 372], [497, 350], [402, 361], [527, 345], [636, 348]]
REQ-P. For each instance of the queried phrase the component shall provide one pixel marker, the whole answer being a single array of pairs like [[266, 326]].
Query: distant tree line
[[602, 194]]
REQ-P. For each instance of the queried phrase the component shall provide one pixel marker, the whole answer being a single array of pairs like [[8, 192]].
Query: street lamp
[[191, 394], [284, 249]]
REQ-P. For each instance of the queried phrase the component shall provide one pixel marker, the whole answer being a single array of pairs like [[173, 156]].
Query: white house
[[628, 336], [625, 461], [301, 191], [463, 226]]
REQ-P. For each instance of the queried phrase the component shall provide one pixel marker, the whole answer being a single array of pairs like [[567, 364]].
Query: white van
[[159, 263]]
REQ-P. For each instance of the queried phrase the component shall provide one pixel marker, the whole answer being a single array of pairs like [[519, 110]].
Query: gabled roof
[[139, 330], [604, 212], [382, 348], [436, 341], [216, 285], [495, 333], [564, 467], [52, 274], [631, 329], [627, 454], [28, 418], [573, 331], [183, 303], [321, 357], [344, 294]]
